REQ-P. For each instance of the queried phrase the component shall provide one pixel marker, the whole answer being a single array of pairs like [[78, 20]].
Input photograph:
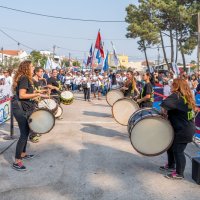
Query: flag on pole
[[48, 65], [98, 56], [106, 66], [89, 60], [116, 61], [99, 45]]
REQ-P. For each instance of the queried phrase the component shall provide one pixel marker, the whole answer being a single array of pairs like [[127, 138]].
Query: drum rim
[[61, 109], [121, 100], [110, 91], [147, 108], [54, 120], [157, 154]]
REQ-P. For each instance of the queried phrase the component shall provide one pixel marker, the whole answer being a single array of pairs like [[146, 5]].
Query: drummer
[[129, 85], [146, 95], [22, 106], [179, 107], [38, 80], [54, 84], [38, 83]]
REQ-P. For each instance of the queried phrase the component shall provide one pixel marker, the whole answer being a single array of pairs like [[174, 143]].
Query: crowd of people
[[178, 104]]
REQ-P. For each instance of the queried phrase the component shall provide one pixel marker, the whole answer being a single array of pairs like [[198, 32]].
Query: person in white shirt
[[7, 78], [86, 85], [68, 79], [98, 85], [166, 89], [78, 81]]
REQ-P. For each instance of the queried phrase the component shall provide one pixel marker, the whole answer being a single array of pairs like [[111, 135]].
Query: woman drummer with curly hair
[[179, 107], [22, 106]]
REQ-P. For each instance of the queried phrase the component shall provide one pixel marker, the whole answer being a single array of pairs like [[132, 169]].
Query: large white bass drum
[[150, 133], [113, 96], [123, 109]]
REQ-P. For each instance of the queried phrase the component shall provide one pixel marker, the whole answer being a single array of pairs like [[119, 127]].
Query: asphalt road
[[88, 156]]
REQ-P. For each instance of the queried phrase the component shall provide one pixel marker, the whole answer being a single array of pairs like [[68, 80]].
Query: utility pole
[[2, 54], [158, 55], [69, 59], [54, 49], [198, 50]]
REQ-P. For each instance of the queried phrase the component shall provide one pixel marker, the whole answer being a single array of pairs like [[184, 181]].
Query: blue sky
[[13, 23]]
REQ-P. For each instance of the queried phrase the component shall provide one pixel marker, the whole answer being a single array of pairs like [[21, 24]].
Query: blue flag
[[98, 56], [106, 66], [89, 60]]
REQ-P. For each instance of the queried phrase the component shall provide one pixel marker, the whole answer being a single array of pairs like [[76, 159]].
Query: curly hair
[[181, 87], [23, 70]]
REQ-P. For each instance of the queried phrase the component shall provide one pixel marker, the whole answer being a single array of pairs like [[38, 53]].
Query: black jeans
[[86, 92], [24, 131], [176, 157]]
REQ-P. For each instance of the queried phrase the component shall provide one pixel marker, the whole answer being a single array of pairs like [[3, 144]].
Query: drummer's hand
[[56, 88], [44, 96], [139, 100]]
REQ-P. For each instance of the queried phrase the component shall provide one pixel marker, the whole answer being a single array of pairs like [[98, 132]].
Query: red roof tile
[[11, 52]]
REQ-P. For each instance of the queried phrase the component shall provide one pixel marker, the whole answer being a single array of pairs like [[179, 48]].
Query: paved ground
[[88, 156]]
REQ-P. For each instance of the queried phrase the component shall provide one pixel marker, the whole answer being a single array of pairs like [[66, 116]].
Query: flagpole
[[116, 55], [93, 52]]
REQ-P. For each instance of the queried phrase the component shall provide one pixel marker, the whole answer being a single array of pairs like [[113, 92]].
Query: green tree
[[76, 63], [141, 27], [37, 58]]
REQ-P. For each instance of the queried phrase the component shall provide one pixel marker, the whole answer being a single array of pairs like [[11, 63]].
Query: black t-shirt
[[24, 83], [54, 82], [127, 93], [38, 84], [146, 90], [180, 116]]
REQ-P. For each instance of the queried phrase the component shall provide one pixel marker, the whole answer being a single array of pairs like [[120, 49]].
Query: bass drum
[[123, 109], [59, 112], [150, 133], [66, 97], [113, 96], [41, 121], [49, 104]]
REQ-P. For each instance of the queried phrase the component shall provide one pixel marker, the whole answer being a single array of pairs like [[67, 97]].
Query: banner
[[4, 111], [5, 97]]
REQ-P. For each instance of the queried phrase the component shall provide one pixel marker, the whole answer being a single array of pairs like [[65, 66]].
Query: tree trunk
[[164, 52], [176, 47], [146, 58], [183, 56], [172, 47]]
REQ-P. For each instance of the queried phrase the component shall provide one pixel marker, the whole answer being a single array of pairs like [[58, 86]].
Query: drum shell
[[66, 101], [134, 117], [155, 115], [57, 116], [125, 98], [120, 93], [30, 120]]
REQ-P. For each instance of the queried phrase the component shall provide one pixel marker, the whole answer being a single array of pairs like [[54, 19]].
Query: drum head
[[113, 96], [41, 121], [67, 95], [49, 104], [59, 112], [123, 109], [152, 136]]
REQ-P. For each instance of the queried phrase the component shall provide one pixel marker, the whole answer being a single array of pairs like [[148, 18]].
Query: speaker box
[[196, 169]]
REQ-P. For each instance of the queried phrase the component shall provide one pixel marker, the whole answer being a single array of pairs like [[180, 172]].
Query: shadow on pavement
[[96, 114], [102, 131]]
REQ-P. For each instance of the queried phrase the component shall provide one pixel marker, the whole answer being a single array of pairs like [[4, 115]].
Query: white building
[[19, 54]]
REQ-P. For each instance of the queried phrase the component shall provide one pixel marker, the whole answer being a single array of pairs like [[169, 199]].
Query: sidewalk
[[88, 156]]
